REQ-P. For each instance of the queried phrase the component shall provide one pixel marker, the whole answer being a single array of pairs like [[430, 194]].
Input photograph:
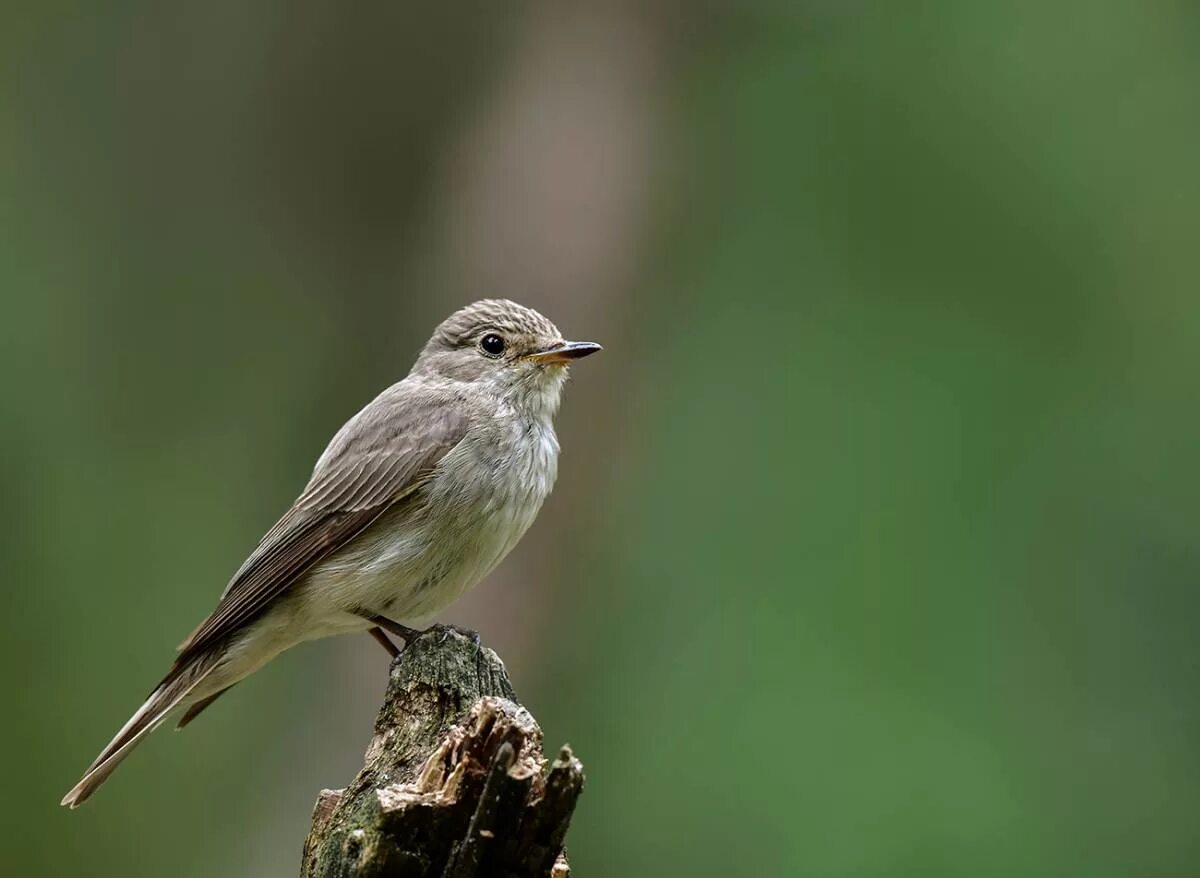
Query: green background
[[874, 550]]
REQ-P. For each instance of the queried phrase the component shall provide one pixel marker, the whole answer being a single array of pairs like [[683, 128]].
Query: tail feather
[[169, 694], [194, 711]]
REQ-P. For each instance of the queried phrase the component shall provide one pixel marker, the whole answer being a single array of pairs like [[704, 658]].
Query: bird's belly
[[417, 560], [416, 592]]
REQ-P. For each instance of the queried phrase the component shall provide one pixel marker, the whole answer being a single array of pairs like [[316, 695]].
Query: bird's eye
[[492, 344]]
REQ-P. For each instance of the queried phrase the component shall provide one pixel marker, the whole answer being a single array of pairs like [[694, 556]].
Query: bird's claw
[[445, 630], [411, 634]]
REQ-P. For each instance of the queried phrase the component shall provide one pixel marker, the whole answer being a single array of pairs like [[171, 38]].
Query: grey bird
[[417, 498]]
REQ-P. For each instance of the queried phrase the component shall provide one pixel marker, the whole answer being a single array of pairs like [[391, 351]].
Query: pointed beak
[[565, 352]]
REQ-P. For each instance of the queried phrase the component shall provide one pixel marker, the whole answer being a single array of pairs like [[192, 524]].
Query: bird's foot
[[472, 636], [410, 634]]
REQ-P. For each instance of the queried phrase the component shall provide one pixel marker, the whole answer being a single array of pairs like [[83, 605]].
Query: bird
[[414, 501]]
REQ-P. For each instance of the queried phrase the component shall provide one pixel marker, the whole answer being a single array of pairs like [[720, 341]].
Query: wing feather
[[379, 458]]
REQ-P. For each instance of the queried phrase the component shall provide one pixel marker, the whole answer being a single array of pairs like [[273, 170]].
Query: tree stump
[[454, 783]]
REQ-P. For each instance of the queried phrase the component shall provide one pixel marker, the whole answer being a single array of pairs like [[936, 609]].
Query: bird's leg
[[410, 634], [384, 641], [379, 624]]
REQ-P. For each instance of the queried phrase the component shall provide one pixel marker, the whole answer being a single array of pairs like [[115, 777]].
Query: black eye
[[492, 344]]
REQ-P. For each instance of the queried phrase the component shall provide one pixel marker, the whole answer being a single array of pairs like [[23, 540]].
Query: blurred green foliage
[[896, 570]]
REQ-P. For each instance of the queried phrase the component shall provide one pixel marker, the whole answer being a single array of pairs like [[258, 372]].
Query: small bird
[[417, 498]]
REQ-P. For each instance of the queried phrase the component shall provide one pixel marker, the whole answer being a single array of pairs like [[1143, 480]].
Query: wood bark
[[454, 783]]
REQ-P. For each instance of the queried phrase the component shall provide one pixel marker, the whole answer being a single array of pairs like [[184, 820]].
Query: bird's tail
[[169, 694]]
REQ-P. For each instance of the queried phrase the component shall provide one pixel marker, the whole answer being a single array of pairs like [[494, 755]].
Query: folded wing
[[380, 458]]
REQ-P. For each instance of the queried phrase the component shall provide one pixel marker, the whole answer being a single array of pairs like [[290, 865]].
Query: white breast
[[417, 560]]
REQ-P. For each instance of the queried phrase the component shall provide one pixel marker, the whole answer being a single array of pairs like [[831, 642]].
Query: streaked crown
[[500, 315], [491, 341]]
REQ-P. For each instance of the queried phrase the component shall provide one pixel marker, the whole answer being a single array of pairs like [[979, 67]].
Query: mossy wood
[[454, 783]]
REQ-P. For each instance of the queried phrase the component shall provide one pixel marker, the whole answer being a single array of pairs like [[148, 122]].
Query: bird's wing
[[380, 457]]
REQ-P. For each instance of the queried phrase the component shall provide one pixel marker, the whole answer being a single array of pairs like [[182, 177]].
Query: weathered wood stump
[[454, 783]]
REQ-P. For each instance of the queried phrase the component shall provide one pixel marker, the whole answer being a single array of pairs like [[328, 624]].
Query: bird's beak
[[565, 352]]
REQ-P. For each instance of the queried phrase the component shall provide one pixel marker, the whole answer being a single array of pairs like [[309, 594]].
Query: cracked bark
[[454, 783]]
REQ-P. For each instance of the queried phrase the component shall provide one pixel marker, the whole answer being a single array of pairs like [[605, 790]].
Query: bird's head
[[507, 347]]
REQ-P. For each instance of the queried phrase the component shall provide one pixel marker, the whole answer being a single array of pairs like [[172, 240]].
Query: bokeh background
[[875, 547]]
